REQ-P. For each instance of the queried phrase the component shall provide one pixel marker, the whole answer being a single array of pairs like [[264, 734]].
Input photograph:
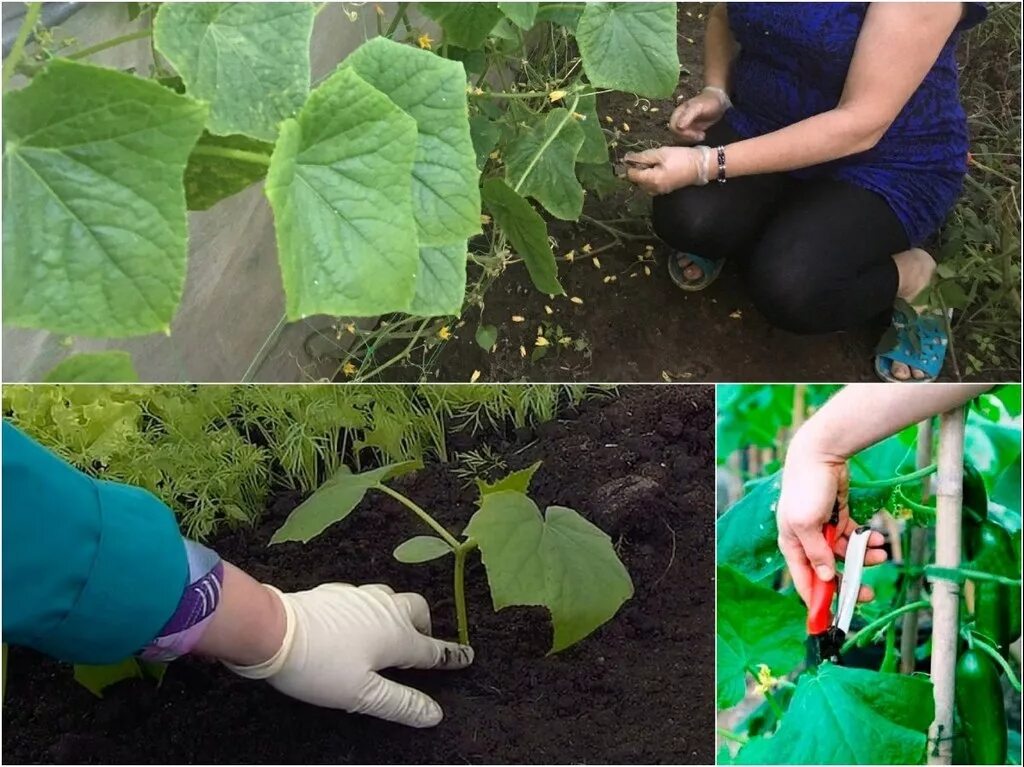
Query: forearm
[[819, 139], [249, 624], [844, 427], [719, 48]]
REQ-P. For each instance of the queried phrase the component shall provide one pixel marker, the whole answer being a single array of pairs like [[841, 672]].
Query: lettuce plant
[[557, 560]]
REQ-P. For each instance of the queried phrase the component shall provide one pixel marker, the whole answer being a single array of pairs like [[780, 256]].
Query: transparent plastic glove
[[692, 118], [667, 168], [339, 636]]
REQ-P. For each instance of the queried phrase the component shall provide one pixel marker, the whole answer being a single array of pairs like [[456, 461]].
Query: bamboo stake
[[917, 555], [946, 593]]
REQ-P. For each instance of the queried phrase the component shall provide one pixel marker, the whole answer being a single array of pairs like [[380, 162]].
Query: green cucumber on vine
[[557, 559]]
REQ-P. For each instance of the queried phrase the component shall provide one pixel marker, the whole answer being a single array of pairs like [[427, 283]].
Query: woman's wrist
[[249, 625], [720, 93]]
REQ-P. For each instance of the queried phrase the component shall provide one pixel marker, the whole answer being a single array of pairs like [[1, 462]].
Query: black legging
[[816, 255]]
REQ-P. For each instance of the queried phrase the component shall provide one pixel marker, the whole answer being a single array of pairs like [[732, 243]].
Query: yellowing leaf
[[556, 96]]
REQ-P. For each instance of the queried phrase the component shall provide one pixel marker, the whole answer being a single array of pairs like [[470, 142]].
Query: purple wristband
[[195, 608]]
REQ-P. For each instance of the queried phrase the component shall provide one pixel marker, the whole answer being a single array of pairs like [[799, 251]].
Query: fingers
[[798, 565], [875, 555], [866, 594], [395, 702], [648, 158], [429, 653], [819, 554], [416, 607]]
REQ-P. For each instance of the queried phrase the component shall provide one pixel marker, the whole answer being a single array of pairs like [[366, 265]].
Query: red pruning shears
[[826, 631]]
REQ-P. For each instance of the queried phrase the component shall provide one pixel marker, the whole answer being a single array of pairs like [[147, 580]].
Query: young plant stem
[[399, 15], [734, 737], [28, 24], [946, 594], [242, 155], [434, 525], [459, 590], [961, 574], [893, 481], [111, 43], [916, 557], [869, 630], [548, 142]]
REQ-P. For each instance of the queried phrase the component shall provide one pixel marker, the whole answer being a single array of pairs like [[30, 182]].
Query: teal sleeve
[[92, 570]]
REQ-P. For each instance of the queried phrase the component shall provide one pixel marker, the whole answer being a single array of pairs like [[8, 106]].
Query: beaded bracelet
[[721, 164]]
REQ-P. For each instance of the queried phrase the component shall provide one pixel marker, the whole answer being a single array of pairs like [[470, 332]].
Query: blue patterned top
[[792, 65]]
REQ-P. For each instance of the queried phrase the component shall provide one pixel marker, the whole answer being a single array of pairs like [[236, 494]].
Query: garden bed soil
[[638, 690]]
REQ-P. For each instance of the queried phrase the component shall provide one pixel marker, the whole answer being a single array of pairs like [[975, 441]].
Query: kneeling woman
[[842, 149]]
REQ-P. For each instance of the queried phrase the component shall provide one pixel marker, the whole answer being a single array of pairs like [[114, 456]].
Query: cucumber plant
[[382, 177], [557, 560], [885, 715]]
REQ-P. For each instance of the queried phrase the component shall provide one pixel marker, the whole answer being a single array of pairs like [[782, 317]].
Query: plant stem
[[865, 633], [918, 552], [893, 481], [460, 594], [434, 525], [615, 232], [399, 15], [241, 155], [961, 574], [111, 43], [734, 737], [18, 49], [548, 142]]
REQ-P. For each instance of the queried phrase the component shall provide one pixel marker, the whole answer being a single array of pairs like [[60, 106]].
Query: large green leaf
[[560, 561], [334, 500], [565, 14], [526, 231], [522, 15], [485, 134], [850, 716], [440, 281], [431, 90], [630, 47], [250, 61], [541, 163], [465, 24], [598, 178], [747, 532], [94, 228], [211, 178], [595, 147], [94, 367], [756, 625], [340, 184]]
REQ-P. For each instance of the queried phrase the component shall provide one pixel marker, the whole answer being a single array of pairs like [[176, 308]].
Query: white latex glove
[[339, 636]]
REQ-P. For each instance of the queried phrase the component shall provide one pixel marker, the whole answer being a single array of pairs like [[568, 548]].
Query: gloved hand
[[339, 636], [693, 117], [667, 168]]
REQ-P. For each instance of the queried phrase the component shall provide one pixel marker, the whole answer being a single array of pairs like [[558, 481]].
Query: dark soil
[[639, 690], [640, 327]]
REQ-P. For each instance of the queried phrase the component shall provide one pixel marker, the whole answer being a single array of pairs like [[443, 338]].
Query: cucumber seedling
[[557, 560]]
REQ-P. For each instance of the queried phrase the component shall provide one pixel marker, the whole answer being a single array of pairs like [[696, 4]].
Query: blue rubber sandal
[[920, 342], [710, 269]]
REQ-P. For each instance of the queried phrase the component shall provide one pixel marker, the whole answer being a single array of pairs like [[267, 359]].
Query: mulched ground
[[639, 690]]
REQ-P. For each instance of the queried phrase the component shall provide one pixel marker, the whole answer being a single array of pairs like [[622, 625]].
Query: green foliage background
[[213, 453]]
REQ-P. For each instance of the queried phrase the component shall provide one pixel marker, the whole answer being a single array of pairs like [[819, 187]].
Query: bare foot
[[916, 268], [691, 271]]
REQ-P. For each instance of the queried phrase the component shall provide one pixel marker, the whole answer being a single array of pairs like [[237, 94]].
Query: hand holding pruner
[[826, 631]]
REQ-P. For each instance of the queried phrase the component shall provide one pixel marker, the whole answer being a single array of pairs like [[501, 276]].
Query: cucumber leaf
[[421, 548], [94, 367], [542, 162]]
